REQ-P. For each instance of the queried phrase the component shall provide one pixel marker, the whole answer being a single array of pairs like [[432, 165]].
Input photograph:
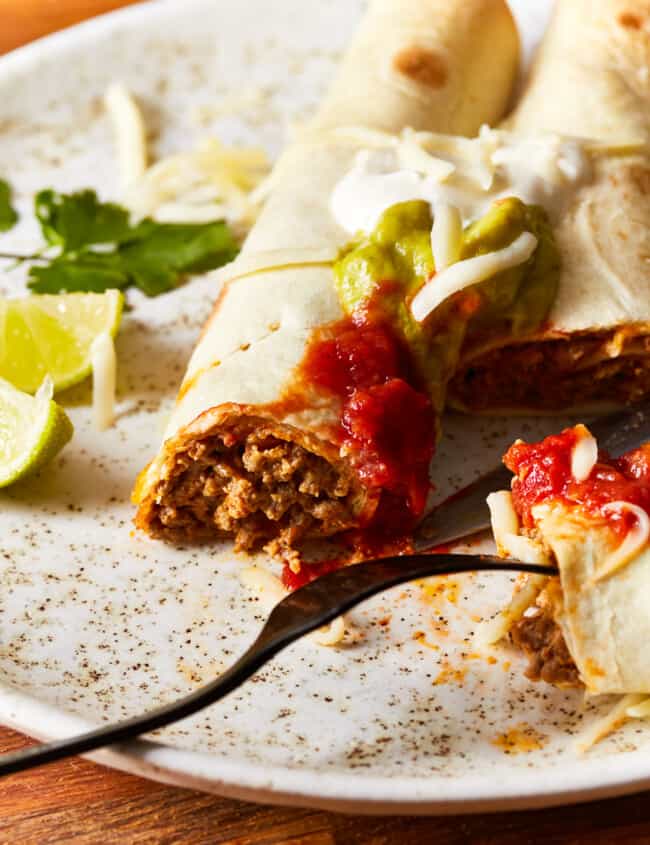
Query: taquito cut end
[[239, 460], [234, 473]]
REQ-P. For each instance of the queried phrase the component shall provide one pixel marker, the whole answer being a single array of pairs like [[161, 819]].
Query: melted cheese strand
[[104, 364], [635, 540], [505, 527], [130, 134], [471, 271], [446, 236], [584, 454]]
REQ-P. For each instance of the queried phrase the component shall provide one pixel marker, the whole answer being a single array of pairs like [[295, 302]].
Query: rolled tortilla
[[604, 622], [249, 453], [595, 527], [591, 80]]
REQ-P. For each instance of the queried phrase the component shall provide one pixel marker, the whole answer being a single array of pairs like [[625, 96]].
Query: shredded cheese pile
[[211, 182]]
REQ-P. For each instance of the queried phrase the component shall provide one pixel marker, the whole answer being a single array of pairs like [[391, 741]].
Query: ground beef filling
[[258, 489], [540, 638], [547, 376]]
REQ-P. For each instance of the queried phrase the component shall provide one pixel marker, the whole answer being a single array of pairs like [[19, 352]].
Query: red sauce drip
[[386, 423], [309, 572], [543, 473]]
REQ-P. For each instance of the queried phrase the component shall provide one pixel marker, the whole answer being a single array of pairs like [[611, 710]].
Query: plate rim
[[330, 790], [624, 773]]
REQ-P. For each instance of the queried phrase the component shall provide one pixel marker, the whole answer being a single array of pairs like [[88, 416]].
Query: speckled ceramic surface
[[97, 623]]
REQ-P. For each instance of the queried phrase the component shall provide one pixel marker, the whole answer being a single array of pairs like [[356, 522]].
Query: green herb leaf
[[187, 247], [8, 215], [97, 247], [77, 221], [92, 272], [154, 257]]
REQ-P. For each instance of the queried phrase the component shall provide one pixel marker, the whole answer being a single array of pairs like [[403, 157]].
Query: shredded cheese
[[584, 454], [503, 517], [130, 133], [494, 630], [211, 182], [635, 540], [411, 155], [471, 271], [331, 634], [104, 364], [610, 722], [505, 527], [446, 235]]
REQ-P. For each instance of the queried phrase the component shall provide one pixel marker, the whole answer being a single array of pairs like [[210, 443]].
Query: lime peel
[[33, 430]]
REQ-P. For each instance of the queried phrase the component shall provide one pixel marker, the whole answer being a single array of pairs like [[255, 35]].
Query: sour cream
[[374, 184], [468, 174]]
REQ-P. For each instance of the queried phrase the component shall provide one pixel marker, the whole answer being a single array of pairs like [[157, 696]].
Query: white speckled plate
[[97, 623]]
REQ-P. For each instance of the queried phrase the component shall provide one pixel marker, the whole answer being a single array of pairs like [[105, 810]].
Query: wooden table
[[80, 802]]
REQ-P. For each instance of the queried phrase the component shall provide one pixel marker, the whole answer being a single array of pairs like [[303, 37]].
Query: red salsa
[[293, 580], [543, 474], [387, 423]]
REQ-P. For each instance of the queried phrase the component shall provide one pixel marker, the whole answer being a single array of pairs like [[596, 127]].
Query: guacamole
[[379, 273]]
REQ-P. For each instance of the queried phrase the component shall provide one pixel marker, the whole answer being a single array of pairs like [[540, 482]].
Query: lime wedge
[[52, 335], [33, 429]]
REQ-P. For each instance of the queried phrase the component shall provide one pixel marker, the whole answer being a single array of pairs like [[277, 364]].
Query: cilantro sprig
[[92, 246]]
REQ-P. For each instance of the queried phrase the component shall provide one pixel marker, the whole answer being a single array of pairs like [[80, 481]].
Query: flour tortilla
[[606, 623], [592, 80], [443, 65]]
